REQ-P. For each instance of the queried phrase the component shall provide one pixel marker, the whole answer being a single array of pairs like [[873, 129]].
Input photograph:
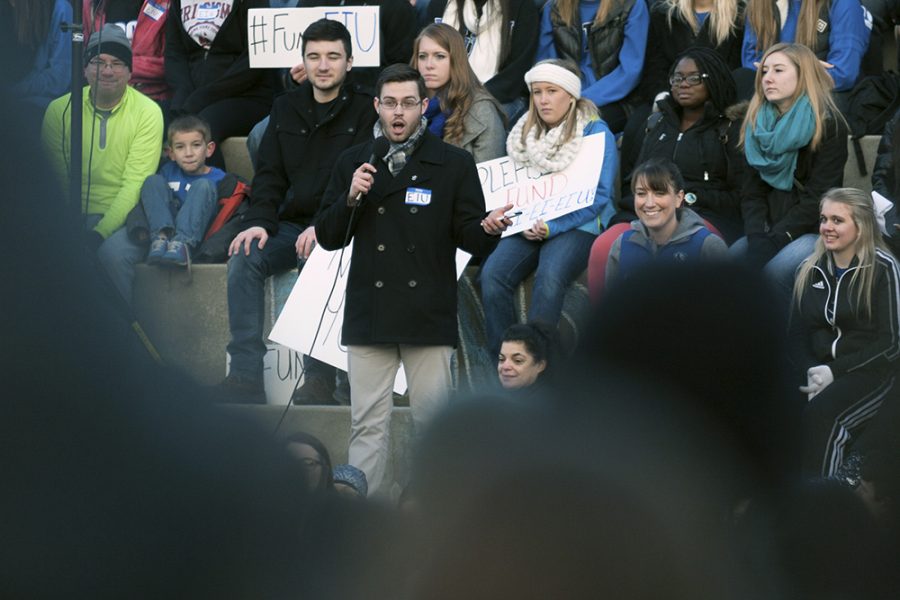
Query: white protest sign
[[296, 325], [543, 195], [275, 35]]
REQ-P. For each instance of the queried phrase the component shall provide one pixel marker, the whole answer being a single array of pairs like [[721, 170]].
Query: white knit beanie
[[547, 72]]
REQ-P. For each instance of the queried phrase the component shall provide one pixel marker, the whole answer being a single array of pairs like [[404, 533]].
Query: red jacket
[[147, 48]]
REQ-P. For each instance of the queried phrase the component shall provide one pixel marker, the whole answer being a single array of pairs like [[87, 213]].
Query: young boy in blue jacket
[[180, 201]]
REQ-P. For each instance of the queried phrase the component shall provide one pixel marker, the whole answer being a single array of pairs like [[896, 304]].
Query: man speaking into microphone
[[408, 205]]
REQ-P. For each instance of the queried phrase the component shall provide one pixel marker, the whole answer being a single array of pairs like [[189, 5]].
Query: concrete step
[[186, 318]]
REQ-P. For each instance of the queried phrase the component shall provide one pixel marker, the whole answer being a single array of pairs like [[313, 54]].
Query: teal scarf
[[772, 147]]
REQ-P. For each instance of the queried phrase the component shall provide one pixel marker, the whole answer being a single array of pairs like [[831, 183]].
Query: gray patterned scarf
[[399, 154]]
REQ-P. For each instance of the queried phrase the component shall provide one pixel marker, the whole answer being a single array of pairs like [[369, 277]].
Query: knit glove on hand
[[817, 379]]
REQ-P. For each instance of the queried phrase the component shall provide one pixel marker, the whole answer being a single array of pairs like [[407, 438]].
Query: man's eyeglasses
[[116, 66], [406, 104], [691, 80]]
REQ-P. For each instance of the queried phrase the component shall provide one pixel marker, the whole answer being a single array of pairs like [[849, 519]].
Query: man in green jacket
[[121, 144]]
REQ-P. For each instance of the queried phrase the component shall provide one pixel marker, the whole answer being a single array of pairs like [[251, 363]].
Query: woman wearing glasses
[[313, 461], [548, 138], [460, 110], [676, 25], [697, 129]]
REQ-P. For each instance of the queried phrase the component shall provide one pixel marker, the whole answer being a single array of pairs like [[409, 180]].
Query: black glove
[[764, 246], [93, 240]]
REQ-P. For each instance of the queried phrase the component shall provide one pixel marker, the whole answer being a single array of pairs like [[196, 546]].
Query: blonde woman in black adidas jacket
[[846, 328]]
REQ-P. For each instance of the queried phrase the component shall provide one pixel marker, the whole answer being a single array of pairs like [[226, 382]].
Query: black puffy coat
[[709, 160]]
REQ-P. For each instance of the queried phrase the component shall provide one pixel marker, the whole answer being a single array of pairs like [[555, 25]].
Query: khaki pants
[[372, 370]]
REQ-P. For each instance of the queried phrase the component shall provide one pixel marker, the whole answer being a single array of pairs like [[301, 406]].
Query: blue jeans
[[556, 262], [247, 276], [254, 139], [781, 271], [119, 254], [164, 209]]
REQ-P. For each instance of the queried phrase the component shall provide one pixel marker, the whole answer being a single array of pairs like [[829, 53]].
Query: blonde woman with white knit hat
[[548, 138]]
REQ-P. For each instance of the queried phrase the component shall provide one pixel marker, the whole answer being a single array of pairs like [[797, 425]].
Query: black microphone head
[[380, 147]]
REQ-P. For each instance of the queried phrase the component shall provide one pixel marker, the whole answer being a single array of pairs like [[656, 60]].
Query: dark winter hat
[[109, 40]]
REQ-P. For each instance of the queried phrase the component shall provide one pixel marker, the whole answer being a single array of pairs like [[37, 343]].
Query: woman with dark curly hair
[[698, 128]]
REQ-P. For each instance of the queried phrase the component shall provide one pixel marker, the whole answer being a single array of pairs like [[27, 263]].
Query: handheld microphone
[[380, 148]]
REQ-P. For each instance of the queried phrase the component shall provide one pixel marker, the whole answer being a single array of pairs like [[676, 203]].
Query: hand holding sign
[[538, 232], [542, 197]]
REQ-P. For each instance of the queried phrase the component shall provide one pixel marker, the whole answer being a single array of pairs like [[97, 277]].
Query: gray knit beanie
[[110, 40]]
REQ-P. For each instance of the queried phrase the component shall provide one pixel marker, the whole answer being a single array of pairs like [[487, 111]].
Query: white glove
[[817, 379]]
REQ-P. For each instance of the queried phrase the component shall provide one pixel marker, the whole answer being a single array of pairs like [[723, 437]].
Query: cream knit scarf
[[545, 153], [485, 53]]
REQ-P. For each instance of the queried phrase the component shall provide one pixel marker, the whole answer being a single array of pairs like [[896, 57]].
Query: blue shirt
[[848, 40], [624, 78], [180, 182]]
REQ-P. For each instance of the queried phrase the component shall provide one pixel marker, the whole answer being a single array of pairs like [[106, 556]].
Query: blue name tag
[[419, 196]]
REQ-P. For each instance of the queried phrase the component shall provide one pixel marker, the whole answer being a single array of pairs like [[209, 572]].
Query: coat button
[[380, 247], [412, 283], [413, 210], [411, 248], [380, 210], [379, 284]]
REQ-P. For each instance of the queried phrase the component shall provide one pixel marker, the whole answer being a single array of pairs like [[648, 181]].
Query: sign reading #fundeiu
[[275, 35], [542, 195]]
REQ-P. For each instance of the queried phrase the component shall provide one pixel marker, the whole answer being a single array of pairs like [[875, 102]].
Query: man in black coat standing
[[408, 201], [309, 128]]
